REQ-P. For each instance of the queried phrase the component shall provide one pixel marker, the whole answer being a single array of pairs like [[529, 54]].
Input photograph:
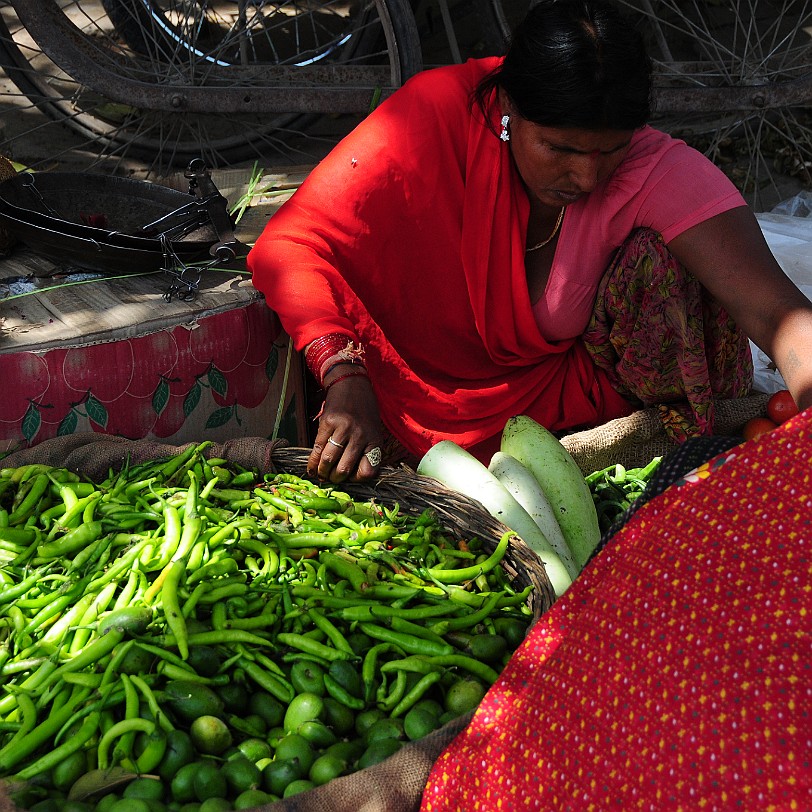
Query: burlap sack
[[93, 455], [635, 440]]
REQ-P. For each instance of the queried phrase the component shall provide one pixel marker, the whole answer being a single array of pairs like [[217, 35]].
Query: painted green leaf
[[192, 399], [160, 397], [217, 381], [219, 417], [68, 424], [96, 412], [31, 422]]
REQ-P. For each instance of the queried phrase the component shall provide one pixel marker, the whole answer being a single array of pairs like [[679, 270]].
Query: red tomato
[[757, 426], [781, 407]]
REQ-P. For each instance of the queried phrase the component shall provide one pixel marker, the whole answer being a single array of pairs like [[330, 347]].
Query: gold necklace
[[549, 239]]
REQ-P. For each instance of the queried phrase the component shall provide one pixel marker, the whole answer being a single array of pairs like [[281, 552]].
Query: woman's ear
[[504, 102]]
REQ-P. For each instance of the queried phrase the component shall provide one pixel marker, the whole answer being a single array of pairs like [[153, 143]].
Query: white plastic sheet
[[788, 231]]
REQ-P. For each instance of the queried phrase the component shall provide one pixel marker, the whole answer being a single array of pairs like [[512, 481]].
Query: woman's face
[[561, 165]]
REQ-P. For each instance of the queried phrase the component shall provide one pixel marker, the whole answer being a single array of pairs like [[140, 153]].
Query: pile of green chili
[[191, 589], [615, 488]]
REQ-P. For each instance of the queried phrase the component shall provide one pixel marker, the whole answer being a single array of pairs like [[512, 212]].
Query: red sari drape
[[410, 237]]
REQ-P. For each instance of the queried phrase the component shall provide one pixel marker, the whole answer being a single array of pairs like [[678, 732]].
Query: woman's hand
[[349, 431]]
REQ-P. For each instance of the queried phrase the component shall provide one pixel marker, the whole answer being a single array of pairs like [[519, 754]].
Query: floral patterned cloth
[[663, 341], [675, 672]]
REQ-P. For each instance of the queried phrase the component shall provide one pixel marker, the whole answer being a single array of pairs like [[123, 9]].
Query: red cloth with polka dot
[[676, 673]]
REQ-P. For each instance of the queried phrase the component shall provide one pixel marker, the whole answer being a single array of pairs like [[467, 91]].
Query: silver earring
[[505, 135]]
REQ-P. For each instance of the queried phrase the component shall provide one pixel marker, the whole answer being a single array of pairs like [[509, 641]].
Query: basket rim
[[414, 492]]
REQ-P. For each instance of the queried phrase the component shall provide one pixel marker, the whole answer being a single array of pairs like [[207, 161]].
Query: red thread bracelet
[[360, 371]]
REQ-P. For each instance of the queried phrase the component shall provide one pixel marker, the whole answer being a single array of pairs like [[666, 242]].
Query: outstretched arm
[[730, 257]]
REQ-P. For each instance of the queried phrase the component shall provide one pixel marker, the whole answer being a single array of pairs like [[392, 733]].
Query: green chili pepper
[[171, 606], [409, 643], [309, 646], [415, 693]]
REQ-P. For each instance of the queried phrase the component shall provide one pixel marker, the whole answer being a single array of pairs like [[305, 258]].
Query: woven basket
[[461, 516]]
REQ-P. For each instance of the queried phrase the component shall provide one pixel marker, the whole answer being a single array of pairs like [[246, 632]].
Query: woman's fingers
[[336, 461]]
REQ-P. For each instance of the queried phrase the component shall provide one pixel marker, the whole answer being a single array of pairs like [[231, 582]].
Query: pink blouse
[[663, 184]]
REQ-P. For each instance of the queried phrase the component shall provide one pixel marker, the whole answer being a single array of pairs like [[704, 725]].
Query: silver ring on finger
[[374, 456], [336, 444]]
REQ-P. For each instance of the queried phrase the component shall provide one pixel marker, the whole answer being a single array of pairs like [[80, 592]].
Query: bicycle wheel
[[734, 79], [169, 80], [452, 31]]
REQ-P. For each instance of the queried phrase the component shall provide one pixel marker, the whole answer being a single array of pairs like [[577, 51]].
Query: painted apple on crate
[[218, 378]]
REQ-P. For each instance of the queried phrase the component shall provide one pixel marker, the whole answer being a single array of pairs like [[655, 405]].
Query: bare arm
[[730, 257]]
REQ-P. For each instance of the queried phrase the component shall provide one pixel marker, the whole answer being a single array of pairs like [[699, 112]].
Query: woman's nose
[[586, 171]]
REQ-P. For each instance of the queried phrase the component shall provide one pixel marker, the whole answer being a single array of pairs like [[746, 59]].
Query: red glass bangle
[[330, 350]]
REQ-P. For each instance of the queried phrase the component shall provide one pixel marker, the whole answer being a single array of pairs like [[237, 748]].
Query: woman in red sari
[[445, 267]]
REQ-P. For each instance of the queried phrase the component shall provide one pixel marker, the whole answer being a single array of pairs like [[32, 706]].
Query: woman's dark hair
[[575, 63]]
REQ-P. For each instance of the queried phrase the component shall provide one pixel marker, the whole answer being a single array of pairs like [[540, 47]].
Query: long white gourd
[[452, 465], [525, 489], [561, 480]]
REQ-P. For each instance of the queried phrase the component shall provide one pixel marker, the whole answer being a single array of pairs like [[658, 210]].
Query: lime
[[182, 786], [296, 746], [149, 789], [279, 773], [307, 677], [463, 696], [131, 805], [69, 770], [378, 751], [253, 798], [347, 751], [304, 707], [189, 700], [337, 716], [235, 697], [215, 805], [210, 735], [106, 802], [135, 661], [359, 642], [204, 660], [419, 722], [347, 676], [367, 718], [255, 749], [487, 647], [297, 787], [179, 751], [325, 768], [46, 805], [241, 774], [268, 707], [385, 728], [209, 782], [431, 705], [512, 629], [75, 806], [317, 733]]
